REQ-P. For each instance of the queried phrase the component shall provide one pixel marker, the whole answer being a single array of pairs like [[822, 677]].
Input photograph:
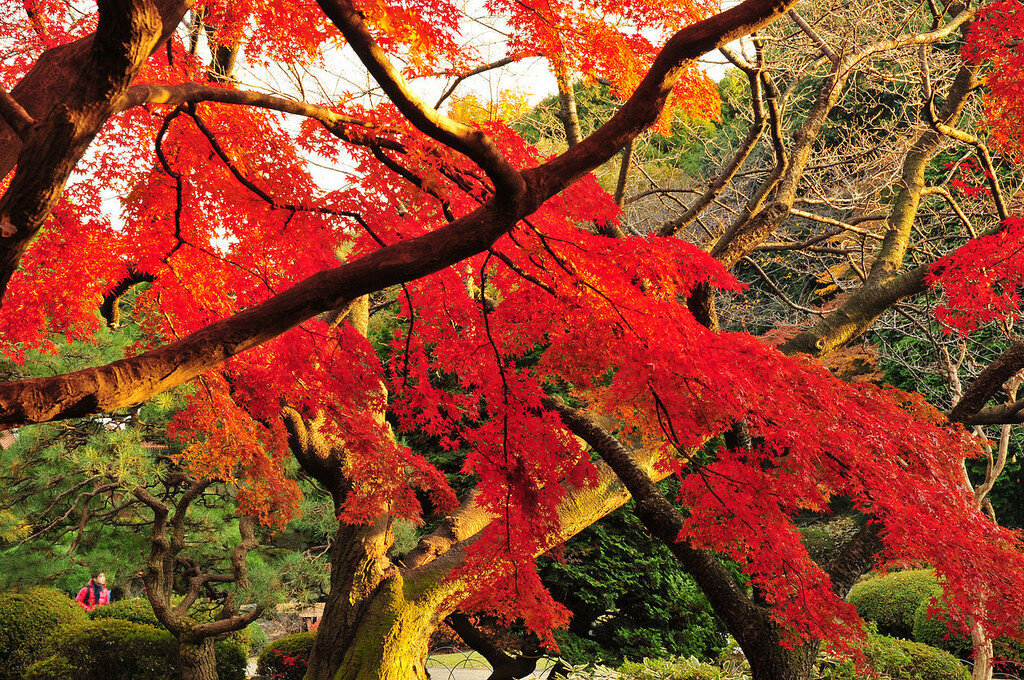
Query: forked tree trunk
[[377, 622], [197, 660]]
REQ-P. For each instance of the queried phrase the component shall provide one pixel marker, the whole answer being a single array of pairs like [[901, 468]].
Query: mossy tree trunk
[[379, 617]]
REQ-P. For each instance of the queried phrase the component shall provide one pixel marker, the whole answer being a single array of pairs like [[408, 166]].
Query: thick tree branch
[[126, 35], [12, 113], [883, 286], [57, 73], [131, 381], [473, 143], [989, 381]]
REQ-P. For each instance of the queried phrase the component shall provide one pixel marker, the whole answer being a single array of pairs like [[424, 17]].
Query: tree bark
[[197, 660], [984, 657]]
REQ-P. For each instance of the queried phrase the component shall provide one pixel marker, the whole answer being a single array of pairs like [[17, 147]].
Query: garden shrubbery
[[107, 649], [286, 658], [897, 659], [934, 630], [232, 661], [136, 609], [28, 617], [45, 635], [892, 600]]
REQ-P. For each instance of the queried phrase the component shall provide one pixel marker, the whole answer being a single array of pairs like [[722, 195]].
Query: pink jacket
[[89, 598]]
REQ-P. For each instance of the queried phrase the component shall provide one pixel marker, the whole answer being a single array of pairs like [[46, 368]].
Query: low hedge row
[[901, 604], [44, 635], [28, 616]]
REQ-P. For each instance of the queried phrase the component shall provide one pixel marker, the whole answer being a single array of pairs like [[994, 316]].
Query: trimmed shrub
[[26, 618], [116, 649], [927, 663], [934, 631], [232, 662], [897, 659], [136, 609], [108, 649], [286, 658], [891, 600]]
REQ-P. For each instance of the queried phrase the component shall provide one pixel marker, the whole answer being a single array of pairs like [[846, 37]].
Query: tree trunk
[[773, 661], [983, 654], [377, 621], [197, 660]]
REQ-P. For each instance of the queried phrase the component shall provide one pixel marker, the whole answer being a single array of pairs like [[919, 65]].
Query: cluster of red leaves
[[616, 40], [982, 279], [965, 179], [601, 319], [995, 38]]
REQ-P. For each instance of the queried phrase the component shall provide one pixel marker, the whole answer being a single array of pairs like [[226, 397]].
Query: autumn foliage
[[217, 204]]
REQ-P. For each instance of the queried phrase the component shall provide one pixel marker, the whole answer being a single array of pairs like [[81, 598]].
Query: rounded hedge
[[136, 609], [232, 662], [108, 649], [898, 659], [891, 600], [934, 631], [927, 663], [286, 658], [116, 649], [26, 618]]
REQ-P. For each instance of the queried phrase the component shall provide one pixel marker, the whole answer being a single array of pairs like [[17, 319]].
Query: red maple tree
[[503, 285]]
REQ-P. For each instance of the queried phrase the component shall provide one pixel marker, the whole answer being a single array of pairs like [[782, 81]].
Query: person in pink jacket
[[95, 593]]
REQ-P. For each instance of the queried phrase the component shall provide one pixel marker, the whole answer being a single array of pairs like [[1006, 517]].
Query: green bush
[[897, 659], [575, 650], [116, 649], [136, 609], [286, 658], [231, 660], [108, 649], [891, 600], [934, 631], [26, 618]]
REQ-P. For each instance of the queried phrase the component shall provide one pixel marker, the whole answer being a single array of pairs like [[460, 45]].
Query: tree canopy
[[460, 286]]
